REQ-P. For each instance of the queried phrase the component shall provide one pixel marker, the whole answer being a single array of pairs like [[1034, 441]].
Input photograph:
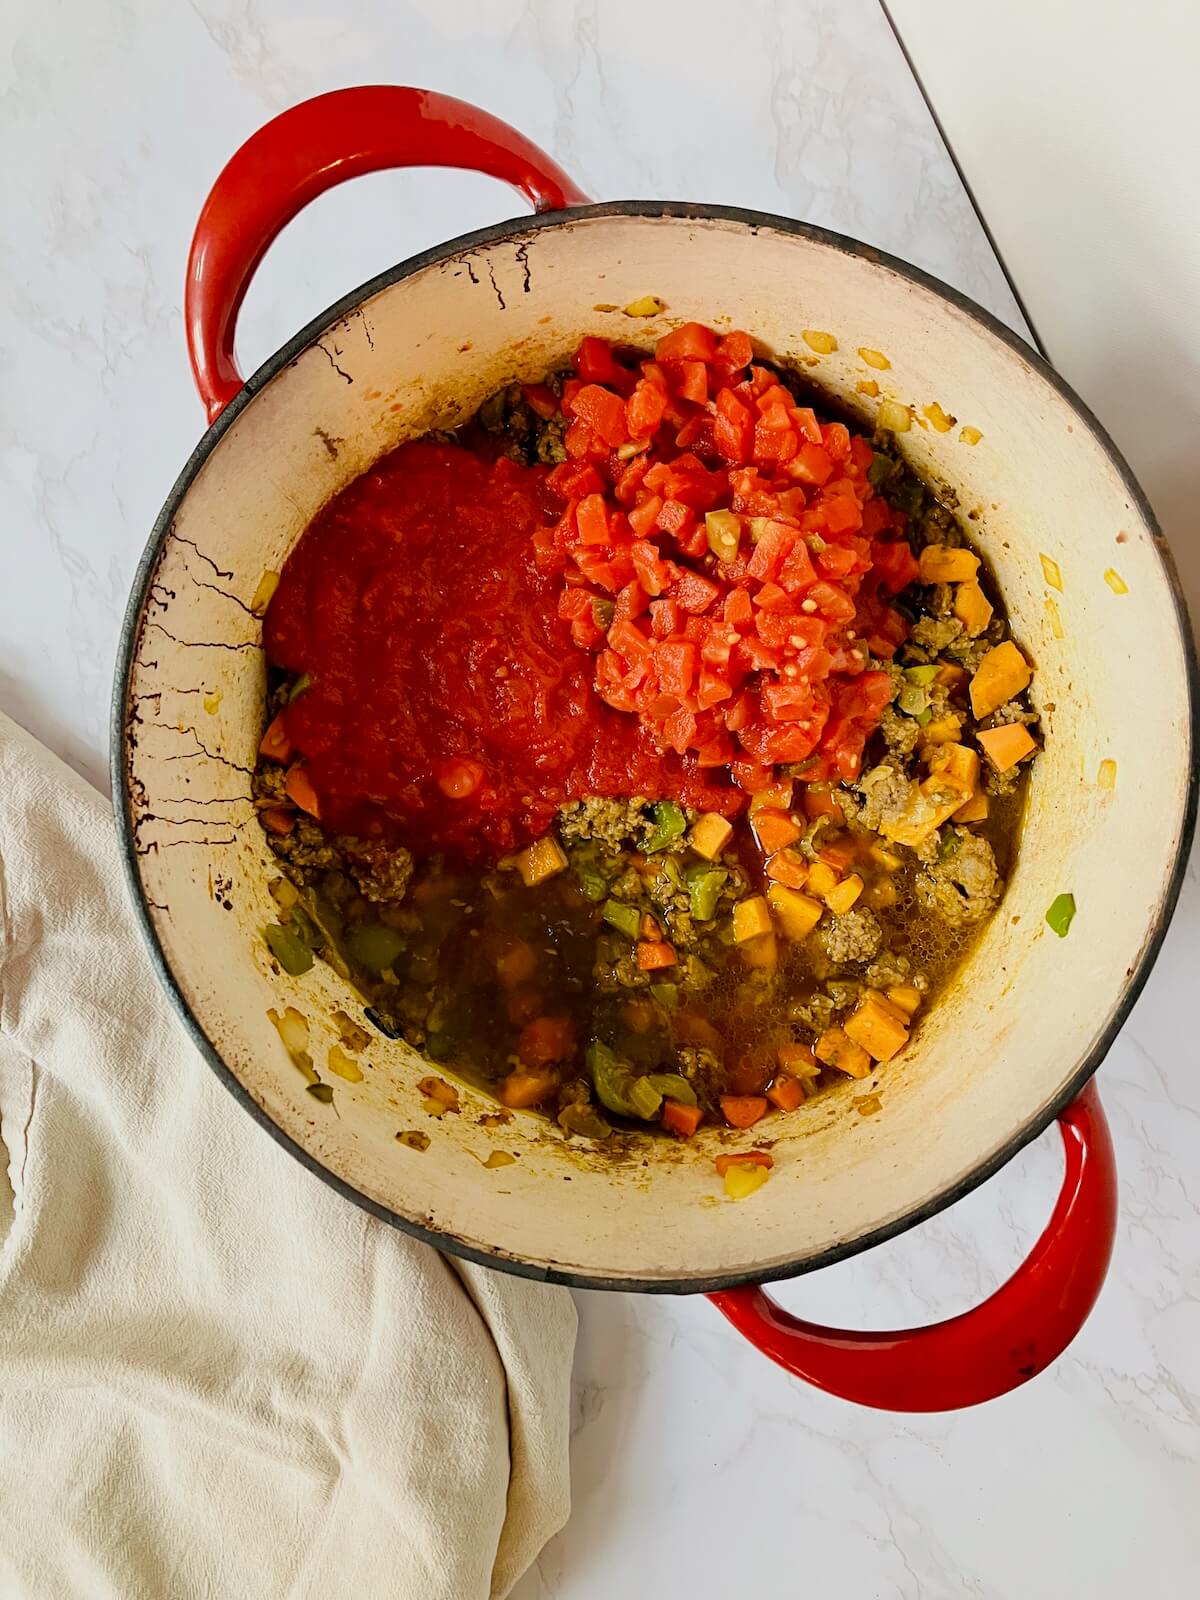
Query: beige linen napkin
[[218, 1378]]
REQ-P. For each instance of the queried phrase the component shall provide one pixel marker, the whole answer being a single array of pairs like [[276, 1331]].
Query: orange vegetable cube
[[878, 1026], [836, 1049], [843, 895], [822, 878], [786, 1093], [743, 1110], [710, 834], [751, 917], [940, 563], [774, 830], [797, 1060], [1003, 673], [905, 997], [521, 1090], [789, 868], [975, 809], [798, 913], [1007, 745], [972, 608]]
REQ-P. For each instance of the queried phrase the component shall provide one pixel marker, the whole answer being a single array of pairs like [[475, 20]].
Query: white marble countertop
[[698, 1469]]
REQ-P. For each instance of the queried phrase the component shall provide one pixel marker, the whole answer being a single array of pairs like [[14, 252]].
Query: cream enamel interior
[[989, 1060]]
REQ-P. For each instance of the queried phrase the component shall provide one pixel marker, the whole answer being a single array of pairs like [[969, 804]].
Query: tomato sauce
[[439, 664]]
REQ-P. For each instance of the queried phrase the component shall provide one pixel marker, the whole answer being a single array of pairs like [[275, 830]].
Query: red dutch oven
[[1089, 588]]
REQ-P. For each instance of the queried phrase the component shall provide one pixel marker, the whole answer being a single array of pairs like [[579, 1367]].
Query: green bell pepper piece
[[1061, 914], [624, 918], [704, 887], [673, 1087], [286, 945], [669, 824]]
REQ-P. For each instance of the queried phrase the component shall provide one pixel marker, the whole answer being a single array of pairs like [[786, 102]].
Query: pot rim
[[516, 230]]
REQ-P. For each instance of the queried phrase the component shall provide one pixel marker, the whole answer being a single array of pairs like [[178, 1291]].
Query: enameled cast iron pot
[[1112, 801]]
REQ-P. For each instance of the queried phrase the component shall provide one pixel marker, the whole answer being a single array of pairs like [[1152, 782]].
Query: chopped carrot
[[786, 1093], [649, 929], [546, 1040], [774, 831], [277, 820], [298, 788], [521, 1090], [654, 954], [275, 744], [788, 868], [743, 1110], [744, 1158], [680, 1119]]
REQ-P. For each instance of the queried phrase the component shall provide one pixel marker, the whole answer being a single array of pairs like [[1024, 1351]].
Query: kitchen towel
[[217, 1377]]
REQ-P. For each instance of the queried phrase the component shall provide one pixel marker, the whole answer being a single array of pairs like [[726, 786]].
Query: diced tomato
[[842, 514], [772, 598], [787, 702], [894, 561], [734, 352], [780, 629], [645, 408], [676, 662], [665, 618], [861, 453], [643, 517], [541, 399], [591, 520], [713, 689], [691, 381], [752, 776], [278, 820], [604, 413], [773, 443], [694, 592], [595, 363], [656, 575], [578, 441], [836, 561], [631, 602], [813, 463], [628, 479], [832, 602], [629, 640], [757, 656], [679, 730], [797, 573], [776, 539], [675, 518], [692, 342], [806, 421], [835, 436], [739, 609], [571, 480]]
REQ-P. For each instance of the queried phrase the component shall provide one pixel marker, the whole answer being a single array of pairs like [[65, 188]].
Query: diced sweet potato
[[941, 563], [930, 804], [905, 996], [958, 763], [798, 913], [942, 730], [1007, 745], [843, 895], [972, 608], [710, 834], [836, 1049], [975, 809], [880, 1027], [821, 878], [1003, 673], [539, 861], [521, 1090], [750, 918], [761, 951]]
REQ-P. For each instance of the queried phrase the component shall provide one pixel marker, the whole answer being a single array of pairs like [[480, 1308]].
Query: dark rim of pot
[[516, 230]]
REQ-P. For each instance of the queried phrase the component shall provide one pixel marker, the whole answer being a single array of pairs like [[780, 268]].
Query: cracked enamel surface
[[992, 1057]]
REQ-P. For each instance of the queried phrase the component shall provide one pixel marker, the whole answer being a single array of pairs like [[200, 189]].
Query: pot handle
[[310, 148], [1010, 1338]]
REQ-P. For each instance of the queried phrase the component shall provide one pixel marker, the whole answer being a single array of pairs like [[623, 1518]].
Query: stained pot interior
[[1111, 686]]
